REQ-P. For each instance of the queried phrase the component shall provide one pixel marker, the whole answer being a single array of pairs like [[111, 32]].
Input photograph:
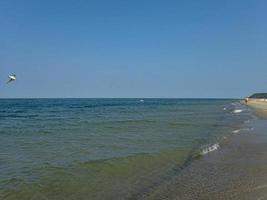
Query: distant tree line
[[259, 96]]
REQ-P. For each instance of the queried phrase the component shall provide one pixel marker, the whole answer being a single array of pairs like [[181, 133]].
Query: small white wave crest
[[237, 111], [243, 129], [210, 148], [236, 131]]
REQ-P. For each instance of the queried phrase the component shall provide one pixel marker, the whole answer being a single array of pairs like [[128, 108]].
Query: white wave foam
[[236, 131], [249, 129], [243, 129], [237, 111], [210, 149]]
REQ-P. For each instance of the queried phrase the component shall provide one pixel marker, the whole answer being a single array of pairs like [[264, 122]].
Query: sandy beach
[[259, 106]]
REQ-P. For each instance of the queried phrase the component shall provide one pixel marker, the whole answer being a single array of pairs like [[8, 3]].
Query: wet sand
[[238, 170]]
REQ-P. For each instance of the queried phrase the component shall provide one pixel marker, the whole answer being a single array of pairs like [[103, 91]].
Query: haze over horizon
[[176, 49]]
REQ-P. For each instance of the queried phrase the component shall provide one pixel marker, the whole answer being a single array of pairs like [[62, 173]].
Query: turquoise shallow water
[[104, 148]]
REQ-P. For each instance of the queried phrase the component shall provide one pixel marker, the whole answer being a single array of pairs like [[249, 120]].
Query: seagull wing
[[10, 80]]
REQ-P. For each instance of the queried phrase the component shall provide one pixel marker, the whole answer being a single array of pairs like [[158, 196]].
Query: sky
[[133, 48]]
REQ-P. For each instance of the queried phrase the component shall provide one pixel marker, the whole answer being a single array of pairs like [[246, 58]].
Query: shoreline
[[235, 171]]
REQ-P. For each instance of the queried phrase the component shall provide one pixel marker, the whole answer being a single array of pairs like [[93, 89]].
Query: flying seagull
[[11, 78]]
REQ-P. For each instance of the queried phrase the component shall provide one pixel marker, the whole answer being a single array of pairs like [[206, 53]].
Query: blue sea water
[[105, 148]]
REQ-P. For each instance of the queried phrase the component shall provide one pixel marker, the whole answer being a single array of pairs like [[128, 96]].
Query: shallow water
[[105, 148], [236, 171]]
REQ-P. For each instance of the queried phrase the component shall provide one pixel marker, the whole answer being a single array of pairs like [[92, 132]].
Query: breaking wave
[[210, 148], [243, 129], [237, 111]]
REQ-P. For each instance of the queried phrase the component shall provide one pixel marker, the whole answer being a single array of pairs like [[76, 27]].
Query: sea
[[107, 148]]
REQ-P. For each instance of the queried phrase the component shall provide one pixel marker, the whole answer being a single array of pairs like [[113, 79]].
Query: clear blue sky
[[133, 48]]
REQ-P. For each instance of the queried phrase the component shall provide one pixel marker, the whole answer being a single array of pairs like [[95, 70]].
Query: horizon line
[[119, 98]]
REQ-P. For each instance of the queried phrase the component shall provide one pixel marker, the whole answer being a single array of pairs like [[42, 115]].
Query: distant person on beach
[[246, 100]]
